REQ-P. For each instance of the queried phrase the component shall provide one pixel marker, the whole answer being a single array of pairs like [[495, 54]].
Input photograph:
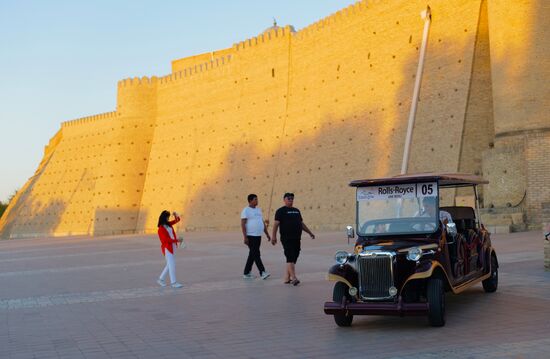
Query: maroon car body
[[403, 264]]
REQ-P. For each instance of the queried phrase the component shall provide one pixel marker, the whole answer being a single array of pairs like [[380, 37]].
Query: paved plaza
[[97, 298]]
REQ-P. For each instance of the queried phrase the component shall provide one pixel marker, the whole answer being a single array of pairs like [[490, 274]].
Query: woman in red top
[[168, 245]]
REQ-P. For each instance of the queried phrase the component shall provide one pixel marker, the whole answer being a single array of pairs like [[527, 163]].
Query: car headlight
[[341, 257], [414, 254]]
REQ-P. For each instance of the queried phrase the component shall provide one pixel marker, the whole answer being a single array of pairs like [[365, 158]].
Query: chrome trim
[[367, 254], [425, 246]]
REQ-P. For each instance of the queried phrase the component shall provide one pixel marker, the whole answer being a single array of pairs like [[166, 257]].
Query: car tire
[[490, 284], [340, 291], [435, 293]]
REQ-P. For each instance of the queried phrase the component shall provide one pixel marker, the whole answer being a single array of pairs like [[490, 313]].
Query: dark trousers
[[254, 254]]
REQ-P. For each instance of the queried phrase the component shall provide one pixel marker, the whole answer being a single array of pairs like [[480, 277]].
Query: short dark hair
[[163, 218], [251, 197], [288, 194]]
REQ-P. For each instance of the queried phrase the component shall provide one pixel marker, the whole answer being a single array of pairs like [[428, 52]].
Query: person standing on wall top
[[290, 220], [168, 245], [252, 224]]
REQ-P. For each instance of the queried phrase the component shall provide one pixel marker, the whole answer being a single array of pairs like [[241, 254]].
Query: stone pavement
[[97, 298]]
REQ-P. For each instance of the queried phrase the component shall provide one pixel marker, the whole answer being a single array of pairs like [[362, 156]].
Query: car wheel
[[435, 292], [340, 291], [490, 284]]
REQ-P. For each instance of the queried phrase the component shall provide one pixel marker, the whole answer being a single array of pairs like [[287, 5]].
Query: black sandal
[[295, 282], [288, 282]]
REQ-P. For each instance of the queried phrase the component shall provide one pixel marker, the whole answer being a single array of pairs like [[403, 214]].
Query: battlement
[[179, 71], [197, 69], [269, 35], [137, 81], [338, 17], [88, 119], [52, 144], [190, 61]]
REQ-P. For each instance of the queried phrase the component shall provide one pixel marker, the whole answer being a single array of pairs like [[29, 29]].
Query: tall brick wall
[[119, 188], [519, 64], [216, 131], [478, 133], [505, 168], [308, 112], [538, 178], [517, 166], [304, 111], [59, 198]]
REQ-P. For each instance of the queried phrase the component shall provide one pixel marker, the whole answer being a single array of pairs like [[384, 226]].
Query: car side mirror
[[350, 232]]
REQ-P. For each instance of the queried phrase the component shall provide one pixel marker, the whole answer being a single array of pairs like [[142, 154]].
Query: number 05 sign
[[413, 190]]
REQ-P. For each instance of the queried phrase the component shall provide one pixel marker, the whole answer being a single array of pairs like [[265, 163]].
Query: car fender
[[427, 269], [343, 273], [489, 255]]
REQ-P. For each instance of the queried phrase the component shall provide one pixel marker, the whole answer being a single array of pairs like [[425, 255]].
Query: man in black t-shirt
[[289, 219]]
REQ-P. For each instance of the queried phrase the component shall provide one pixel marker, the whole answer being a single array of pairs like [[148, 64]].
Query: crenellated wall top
[[335, 18], [197, 64], [138, 81], [196, 69], [267, 36], [89, 119]]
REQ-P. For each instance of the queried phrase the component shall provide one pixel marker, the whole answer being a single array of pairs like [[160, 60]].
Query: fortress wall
[[72, 175], [305, 112], [519, 63], [216, 131], [119, 188], [351, 84], [10, 220], [538, 181], [342, 109], [186, 63], [346, 73], [446, 85], [57, 200], [478, 134], [516, 167]]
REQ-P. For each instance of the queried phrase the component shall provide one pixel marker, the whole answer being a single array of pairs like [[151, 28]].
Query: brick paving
[[97, 298]]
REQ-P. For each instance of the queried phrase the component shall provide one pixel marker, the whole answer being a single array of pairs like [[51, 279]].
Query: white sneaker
[[161, 282], [248, 276], [265, 275], [176, 285]]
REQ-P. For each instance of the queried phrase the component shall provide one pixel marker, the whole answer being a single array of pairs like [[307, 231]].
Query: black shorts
[[291, 248]]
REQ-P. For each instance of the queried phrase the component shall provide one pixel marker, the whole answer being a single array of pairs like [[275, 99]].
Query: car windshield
[[397, 209]]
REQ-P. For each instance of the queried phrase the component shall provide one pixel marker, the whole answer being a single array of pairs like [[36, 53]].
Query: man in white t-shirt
[[252, 224]]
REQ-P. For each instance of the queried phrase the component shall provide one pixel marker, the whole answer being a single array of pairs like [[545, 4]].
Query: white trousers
[[170, 266]]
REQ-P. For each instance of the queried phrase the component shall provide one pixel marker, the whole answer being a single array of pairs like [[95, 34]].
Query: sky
[[61, 60]]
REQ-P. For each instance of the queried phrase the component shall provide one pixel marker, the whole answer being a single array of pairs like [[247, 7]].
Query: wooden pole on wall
[[427, 17]]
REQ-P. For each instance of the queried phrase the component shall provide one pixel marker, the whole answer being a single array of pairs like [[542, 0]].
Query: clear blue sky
[[61, 60]]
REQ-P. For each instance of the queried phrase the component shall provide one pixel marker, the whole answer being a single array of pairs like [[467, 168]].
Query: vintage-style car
[[410, 249]]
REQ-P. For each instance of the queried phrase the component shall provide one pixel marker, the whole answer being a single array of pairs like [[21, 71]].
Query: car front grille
[[375, 275]]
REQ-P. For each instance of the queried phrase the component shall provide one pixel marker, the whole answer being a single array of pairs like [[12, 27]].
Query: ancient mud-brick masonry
[[307, 111]]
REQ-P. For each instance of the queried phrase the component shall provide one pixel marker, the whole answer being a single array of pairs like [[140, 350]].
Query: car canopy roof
[[444, 179]]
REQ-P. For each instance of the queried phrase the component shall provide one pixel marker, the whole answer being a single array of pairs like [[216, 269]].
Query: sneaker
[[248, 276], [161, 282], [264, 275], [176, 285]]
